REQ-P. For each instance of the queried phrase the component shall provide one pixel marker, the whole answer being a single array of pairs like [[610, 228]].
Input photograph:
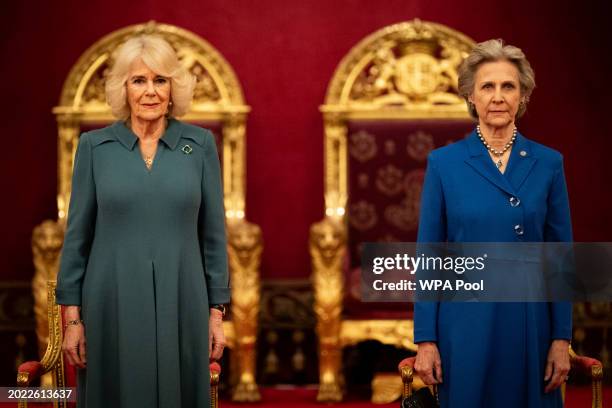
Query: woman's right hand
[[74, 345], [428, 362]]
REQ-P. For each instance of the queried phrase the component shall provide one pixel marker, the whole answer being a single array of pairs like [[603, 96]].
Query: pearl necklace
[[497, 153]]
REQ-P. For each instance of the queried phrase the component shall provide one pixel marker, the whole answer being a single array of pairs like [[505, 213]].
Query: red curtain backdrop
[[284, 53]]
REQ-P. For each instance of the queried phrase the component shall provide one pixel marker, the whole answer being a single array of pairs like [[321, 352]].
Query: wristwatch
[[221, 308]]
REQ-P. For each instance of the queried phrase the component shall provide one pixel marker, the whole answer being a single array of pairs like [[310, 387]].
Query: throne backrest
[[392, 100]]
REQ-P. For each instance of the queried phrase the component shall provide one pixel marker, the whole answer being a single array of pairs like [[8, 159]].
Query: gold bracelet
[[74, 322]]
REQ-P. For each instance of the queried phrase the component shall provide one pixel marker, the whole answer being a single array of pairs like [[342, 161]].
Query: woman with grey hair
[[494, 186], [143, 273]]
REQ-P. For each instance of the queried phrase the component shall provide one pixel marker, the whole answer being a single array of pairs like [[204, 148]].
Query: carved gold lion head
[[327, 237], [47, 240], [244, 238]]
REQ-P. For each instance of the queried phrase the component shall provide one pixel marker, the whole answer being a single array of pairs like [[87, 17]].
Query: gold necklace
[[148, 161]]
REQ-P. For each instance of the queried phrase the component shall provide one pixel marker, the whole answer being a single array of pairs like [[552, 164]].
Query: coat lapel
[[521, 162], [480, 161]]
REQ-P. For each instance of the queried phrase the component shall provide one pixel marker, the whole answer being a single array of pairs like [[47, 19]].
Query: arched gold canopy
[[403, 71], [218, 91]]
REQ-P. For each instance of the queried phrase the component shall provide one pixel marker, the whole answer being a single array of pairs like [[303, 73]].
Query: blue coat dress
[[144, 255], [494, 354]]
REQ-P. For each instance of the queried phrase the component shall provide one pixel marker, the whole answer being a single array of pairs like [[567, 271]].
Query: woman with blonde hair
[[494, 186], [143, 273]]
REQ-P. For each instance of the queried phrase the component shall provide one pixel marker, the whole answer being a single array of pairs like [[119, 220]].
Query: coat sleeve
[[211, 226], [80, 227], [432, 228], [558, 228]]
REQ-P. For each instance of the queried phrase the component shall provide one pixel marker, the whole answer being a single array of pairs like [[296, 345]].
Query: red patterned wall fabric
[[387, 164]]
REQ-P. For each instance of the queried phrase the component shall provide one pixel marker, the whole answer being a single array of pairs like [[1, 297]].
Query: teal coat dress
[[144, 256]]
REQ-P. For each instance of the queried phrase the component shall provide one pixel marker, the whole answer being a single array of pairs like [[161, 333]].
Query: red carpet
[[301, 397], [576, 397]]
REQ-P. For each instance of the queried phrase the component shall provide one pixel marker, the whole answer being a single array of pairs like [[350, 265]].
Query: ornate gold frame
[[371, 83], [52, 361], [218, 97]]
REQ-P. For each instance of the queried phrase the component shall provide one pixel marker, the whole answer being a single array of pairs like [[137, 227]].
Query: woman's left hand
[[216, 337], [557, 364]]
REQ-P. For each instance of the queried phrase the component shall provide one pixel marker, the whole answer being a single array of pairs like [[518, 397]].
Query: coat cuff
[[68, 297], [425, 322], [562, 334], [421, 336], [561, 320], [218, 296]]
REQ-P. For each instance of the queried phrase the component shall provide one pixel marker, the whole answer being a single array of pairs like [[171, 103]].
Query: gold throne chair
[[219, 105], [392, 99]]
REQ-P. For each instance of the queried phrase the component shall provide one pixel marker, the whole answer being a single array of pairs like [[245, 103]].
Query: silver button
[[518, 229], [514, 202], [523, 153]]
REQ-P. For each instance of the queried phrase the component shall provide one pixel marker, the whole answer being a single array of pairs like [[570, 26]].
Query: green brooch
[[187, 149]]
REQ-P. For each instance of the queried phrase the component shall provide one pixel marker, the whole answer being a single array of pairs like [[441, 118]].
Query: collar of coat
[[519, 165], [170, 138]]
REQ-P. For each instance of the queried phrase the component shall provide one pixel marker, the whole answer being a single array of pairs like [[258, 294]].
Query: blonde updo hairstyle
[[492, 51], [161, 58]]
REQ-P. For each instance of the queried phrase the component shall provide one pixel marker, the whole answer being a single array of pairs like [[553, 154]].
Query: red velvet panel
[[284, 54], [387, 164]]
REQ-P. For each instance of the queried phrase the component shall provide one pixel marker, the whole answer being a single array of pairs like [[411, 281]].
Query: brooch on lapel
[[187, 149]]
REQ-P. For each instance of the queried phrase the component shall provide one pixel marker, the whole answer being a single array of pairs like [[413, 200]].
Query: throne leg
[[245, 247], [327, 249], [331, 380], [246, 390]]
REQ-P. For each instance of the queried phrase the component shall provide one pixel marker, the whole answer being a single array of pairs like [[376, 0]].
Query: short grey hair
[[161, 58], [491, 51]]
